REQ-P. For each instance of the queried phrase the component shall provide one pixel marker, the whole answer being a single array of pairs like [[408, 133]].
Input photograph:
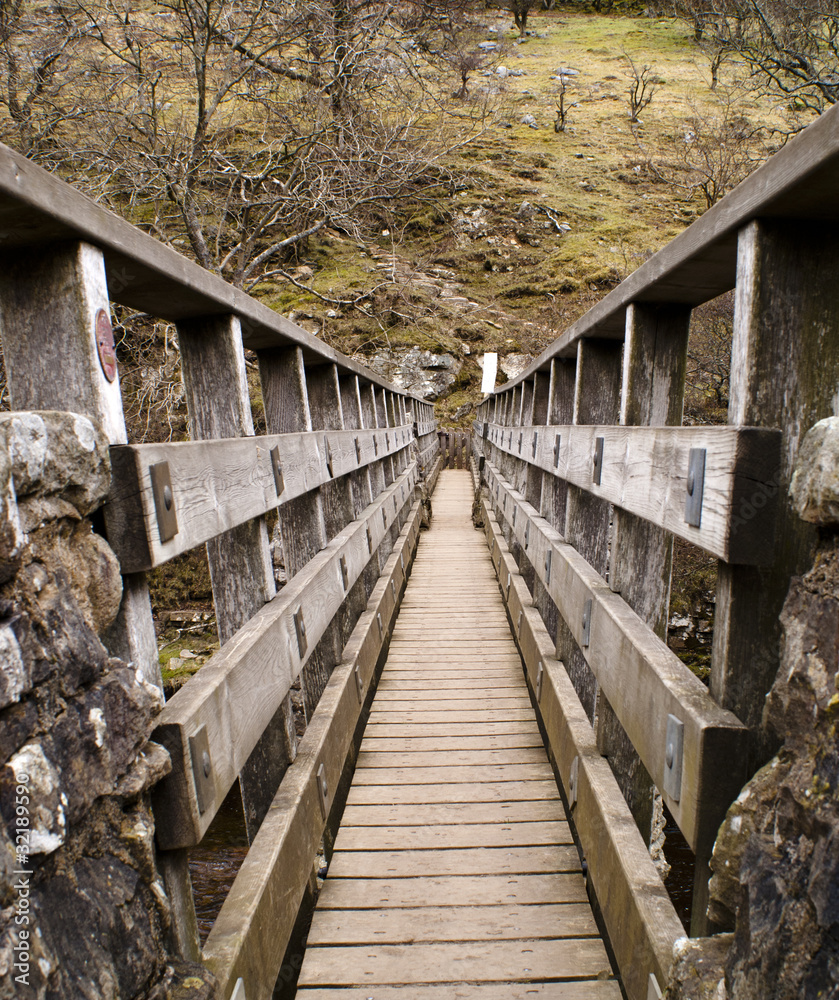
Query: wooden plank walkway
[[454, 873]]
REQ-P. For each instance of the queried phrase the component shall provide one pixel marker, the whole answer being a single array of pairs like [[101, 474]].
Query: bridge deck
[[454, 863]]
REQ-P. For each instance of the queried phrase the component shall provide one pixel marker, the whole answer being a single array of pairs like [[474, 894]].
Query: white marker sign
[[490, 371]]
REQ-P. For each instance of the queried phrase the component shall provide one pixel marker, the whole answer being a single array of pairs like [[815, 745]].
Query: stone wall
[[84, 912], [775, 887]]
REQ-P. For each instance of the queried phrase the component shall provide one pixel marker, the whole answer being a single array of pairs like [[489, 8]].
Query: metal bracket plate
[[535, 442], [573, 782], [695, 487], [300, 629], [673, 753], [527, 535], [164, 501], [359, 683], [323, 790], [381, 627], [521, 442], [548, 559], [557, 445], [369, 541], [202, 769], [598, 460], [540, 677], [357, 450], [277, 468], [586, 636], [327, 450], [345, 575]]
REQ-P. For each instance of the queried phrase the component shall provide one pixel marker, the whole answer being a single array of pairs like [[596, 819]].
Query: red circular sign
[[105, 345]]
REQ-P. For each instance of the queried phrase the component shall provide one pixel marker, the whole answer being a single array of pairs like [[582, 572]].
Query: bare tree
[[238, 131], [642, 88], [718, 149], [790, 46]]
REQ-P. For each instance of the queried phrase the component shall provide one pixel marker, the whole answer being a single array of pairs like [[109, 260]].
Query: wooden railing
[[455, 448], [340, 462], [588, 475]]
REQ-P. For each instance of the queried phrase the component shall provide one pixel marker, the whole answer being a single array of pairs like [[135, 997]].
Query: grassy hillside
[[540, 222]]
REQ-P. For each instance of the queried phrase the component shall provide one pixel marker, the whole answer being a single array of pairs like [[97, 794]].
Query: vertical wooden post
[[215, 382], [560, 411], [302, 521], [654, 368], [596, 401], [784, 373], [50, 303]]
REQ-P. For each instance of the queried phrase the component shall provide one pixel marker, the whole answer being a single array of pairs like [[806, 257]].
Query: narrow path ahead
[[454, 874]]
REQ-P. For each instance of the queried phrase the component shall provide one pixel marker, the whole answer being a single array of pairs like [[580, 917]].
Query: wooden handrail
[[217, 485], [340, 463]]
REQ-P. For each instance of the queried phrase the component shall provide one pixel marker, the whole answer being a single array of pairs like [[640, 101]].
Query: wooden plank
[[374, 745], [457, 861], [645, 472], [433, 730], [486, 791], [467, 923], [447, 701], [249, 936], [642, 923], [452, 812], [451, 757], [502, 680], [462, 890], [405, 838], [452, 774], [451, 718], [239, 689], [587, 990], [436, 963], [217, 485], [643, 680]]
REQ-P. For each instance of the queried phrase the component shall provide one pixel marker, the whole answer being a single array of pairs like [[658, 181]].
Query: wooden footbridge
[[487, 816]]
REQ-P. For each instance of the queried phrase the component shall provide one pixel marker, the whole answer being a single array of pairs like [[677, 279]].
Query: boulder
[[815, 484]]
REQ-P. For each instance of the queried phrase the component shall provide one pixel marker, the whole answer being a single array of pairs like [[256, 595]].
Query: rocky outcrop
[[84, 911], [423, 373]]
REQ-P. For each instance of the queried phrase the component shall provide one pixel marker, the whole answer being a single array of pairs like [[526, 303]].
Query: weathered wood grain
[[466, 890], [218, 485], [590, 990], [249, 937], [642, 923], [436, 963], [645, 472], [478, 923], [654, 369], [642, 679], [237, 692]]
